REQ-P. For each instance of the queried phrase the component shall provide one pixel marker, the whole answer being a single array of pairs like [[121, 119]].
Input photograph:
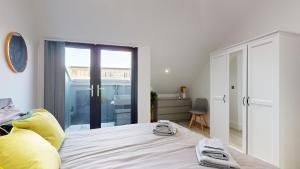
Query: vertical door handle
[[244, 101], [98, 90], [248, 101], [224, 100], [92, 90]]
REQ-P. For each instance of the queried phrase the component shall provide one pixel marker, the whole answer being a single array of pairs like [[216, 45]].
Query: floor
[[196, 128], [235, 138]]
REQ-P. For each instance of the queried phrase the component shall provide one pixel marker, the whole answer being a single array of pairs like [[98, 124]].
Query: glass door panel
[[116, 87], [77, 88], [100, 86]]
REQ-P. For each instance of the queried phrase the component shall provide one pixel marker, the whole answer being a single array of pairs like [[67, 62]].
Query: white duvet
[[135, 147]]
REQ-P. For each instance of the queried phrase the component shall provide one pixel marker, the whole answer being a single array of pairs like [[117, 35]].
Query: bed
[[135, 147]]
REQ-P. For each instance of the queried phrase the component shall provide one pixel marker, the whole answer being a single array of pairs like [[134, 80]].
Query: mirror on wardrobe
[[235, 102]]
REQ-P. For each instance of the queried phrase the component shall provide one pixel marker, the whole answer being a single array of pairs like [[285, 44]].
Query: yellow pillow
[[24, 149], [45, 124]]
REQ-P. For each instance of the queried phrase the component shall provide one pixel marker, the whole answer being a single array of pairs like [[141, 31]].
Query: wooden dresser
[[174, 109]]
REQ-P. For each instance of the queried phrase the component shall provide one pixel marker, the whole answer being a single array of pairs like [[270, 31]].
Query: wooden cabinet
[[174, 109]]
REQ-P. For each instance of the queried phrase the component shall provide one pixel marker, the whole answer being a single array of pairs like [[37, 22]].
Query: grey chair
[[199, 109]]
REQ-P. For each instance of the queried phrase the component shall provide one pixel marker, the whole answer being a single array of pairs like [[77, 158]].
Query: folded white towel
[[164, 128], [214, 161], [213, 148], [10, 114], [212, 143]]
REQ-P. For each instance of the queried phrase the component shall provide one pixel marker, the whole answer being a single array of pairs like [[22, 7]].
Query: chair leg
[[192, 120], [202, 122], [202, 128]]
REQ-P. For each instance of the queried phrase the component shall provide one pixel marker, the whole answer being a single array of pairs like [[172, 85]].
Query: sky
[[109, 59]]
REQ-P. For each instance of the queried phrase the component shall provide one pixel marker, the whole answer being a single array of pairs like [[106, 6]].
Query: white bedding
[[135, 147]]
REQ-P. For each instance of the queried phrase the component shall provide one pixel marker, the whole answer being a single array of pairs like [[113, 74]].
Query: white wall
[[267, 16], [200, 88], [180, 33], [16, 16], [130, 23], [201, 85], [144, 83]]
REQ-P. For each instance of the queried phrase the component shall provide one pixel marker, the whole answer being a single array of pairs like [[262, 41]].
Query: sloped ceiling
[[180, 33]]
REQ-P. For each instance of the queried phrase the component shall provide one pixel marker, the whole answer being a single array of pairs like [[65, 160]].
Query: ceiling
[[180, 33]]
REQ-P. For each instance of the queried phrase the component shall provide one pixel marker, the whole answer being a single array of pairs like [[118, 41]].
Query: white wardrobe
[[269, 99]]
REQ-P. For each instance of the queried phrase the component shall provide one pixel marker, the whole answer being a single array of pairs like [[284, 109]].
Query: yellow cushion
[[24, 149], [45, 124]]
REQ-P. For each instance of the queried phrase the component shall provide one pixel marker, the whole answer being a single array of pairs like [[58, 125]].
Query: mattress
[[135, 147]]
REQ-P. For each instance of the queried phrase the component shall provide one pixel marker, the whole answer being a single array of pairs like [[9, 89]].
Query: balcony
[[115, 98]]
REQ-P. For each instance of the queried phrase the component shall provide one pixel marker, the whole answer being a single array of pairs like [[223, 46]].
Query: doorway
[[100, 86]]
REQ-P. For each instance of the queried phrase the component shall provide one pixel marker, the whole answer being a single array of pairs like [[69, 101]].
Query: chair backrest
[[201, 104]]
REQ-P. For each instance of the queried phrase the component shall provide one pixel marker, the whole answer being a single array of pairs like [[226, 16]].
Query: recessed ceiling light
[[167, 71]]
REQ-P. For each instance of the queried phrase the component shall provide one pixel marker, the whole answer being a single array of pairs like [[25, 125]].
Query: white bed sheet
[[135, 147]]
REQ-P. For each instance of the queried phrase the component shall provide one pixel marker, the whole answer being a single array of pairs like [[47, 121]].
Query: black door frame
[[95, 79]]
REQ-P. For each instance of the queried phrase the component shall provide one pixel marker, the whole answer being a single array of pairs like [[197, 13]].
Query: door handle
[[92, 90], [248, 101], [244, 101], [224, 100], [98, 90]]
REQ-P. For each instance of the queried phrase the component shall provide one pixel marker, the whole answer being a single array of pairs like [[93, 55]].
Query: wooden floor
[[235, 136], [196, 128]]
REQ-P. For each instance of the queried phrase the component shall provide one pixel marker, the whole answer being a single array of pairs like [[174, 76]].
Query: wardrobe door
[[219, 93], [261, 132], [237, 97]]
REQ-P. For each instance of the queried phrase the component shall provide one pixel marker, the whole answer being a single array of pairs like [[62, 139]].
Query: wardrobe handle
[[244, 101], [248, 103], [92, 90], [224, 100]]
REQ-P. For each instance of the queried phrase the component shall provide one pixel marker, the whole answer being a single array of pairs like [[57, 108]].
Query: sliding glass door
[[101, 86]]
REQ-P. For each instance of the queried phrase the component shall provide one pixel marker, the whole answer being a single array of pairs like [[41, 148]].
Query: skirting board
[[236, 126]]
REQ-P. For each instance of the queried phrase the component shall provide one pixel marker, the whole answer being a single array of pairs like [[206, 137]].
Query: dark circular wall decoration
[[16, 52]]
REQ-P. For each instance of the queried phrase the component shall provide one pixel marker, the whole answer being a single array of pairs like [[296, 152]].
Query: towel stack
[[211, 153], [164, 128], [8, 111]]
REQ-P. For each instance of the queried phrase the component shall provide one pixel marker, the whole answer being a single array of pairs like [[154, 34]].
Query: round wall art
[[16, 52]]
